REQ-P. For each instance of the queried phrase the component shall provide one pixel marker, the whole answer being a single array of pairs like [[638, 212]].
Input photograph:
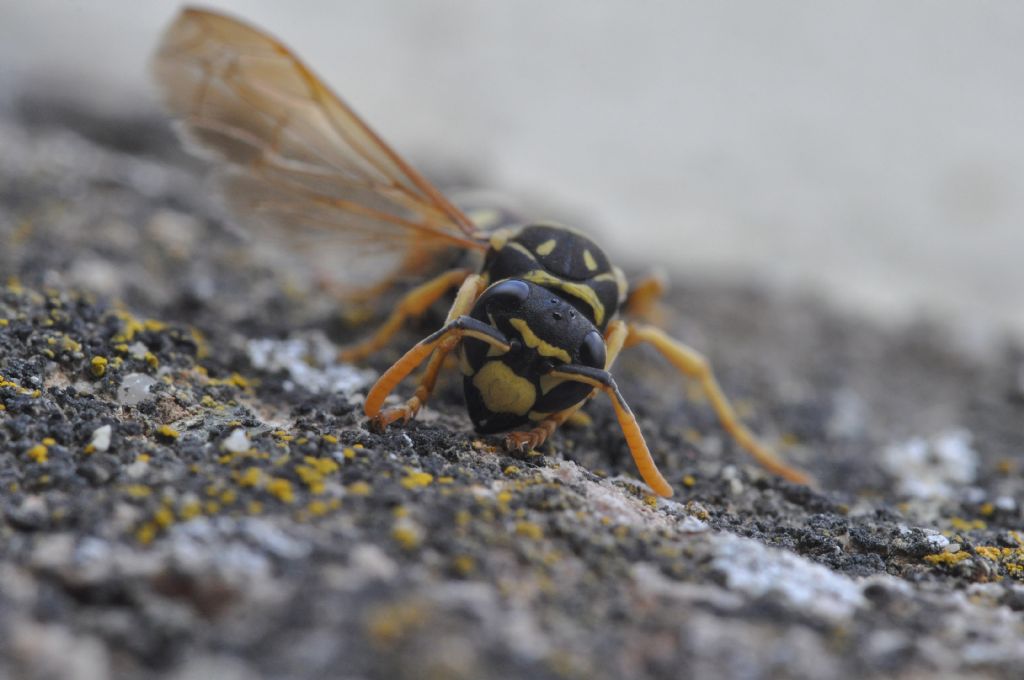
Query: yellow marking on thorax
[[500, 237], [504, 391], [516, 245], [547, 247], [588, 259], [579, 290], [532, 341], [620, 281]]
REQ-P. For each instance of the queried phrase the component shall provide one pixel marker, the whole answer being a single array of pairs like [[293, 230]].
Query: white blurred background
[[873, 151]]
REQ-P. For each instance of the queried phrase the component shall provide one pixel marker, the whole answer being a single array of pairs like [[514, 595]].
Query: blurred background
[[871, 151]]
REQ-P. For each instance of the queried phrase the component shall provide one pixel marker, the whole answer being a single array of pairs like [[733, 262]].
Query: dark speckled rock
[[189, 490]]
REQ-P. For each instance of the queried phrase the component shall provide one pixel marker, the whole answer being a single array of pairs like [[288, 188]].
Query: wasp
[[535, 328]]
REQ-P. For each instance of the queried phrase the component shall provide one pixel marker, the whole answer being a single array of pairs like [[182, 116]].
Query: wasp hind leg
[[435, 347], [644, 299], [692, 364], [412, 305]]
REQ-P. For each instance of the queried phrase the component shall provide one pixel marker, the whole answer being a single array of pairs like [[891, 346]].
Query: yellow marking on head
[[538, 415], [547, 247], [548, 383], [504, 391], [588, 259], [579, 290], [543, 348]]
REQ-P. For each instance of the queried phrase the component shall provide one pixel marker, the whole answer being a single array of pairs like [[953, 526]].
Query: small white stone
[[1005, 503], [937, 467], [134, 389], [101, 438], [138, 350], [237, 441], [937, 541]]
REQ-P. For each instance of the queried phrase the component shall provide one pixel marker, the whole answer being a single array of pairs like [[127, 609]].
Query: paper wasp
[[535, 329]]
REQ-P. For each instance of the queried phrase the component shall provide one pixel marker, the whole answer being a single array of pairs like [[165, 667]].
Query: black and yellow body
[[552, 295], [536, 329]]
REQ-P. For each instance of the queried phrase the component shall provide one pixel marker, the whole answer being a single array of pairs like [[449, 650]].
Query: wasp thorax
[[508, 389]]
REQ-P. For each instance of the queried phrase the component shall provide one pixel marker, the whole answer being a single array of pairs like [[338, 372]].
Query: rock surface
[[189, 489]]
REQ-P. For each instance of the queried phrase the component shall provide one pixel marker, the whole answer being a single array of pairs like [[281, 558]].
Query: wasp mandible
[[536, 328]]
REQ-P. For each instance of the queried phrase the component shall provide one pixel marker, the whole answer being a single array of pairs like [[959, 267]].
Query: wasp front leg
[[601, 381], [436, 346], [692, 364]]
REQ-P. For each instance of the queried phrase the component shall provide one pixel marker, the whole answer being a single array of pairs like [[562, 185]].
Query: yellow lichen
[[417, 479], [324, 466], [529, 530], [406, 536], [168, 432], [317, 508], [359, 489], [39, 453], [281, 489], [464, 564], [137, 491], [189, 510], [146, 533], [947, 558], [387, 624], [163, 517], [98, 365], [251, 476], [961, 524]]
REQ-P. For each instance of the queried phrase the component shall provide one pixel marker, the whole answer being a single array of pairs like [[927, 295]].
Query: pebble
[[134, 389]]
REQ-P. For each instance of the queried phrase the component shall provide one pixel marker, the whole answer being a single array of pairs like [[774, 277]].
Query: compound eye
[[510, 292], [592, 350]]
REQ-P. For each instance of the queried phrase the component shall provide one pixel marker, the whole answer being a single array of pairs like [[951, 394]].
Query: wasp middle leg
[[413, 304]]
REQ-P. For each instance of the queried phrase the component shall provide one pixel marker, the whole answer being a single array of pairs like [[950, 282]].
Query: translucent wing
[[298, 158]]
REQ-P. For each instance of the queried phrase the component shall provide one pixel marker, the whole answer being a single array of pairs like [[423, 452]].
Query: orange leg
[[413, 304], [644, 299], [437, 346], [693, 365], [600, 381]]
